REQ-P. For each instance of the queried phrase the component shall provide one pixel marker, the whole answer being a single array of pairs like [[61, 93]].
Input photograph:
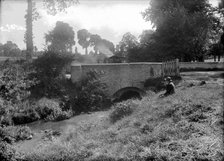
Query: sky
[[110, 19]]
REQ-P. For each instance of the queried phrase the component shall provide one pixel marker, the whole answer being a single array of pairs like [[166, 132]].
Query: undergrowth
[[184, 126]]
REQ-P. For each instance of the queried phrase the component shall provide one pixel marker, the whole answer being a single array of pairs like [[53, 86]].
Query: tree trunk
[[29, 32], [86, 51], [0, 12], [222, 38]]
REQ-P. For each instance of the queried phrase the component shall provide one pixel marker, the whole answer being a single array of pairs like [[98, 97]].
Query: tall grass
[[184, 126]]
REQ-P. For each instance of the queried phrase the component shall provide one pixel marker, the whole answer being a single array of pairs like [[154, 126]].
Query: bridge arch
[[127, 93]]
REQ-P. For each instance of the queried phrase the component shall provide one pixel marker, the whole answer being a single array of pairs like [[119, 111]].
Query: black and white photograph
[[111, 80]]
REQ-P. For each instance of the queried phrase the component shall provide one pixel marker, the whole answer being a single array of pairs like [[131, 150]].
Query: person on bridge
[[170, 87]]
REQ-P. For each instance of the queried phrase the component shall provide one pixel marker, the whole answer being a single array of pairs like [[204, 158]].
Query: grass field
[[187, 125]]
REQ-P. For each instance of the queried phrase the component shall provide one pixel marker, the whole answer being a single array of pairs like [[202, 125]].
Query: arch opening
[[128, 93]]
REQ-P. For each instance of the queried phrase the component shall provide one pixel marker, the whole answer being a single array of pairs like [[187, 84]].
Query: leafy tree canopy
[[182, 28], [61, 38], [83, 39]]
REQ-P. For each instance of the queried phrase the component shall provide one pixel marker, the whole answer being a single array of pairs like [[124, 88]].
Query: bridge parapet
[[120, 75]]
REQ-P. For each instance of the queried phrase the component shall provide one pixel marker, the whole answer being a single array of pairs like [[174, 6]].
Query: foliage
[[182, 29], [91, 93], [5, 112], [50, 110], [61, 38], [14, 81], [7, 153], [86, 39], [127, 42], [100, 45], [121, 110], [11, 134], [158, 129], [146, 37], [83, 36], [49, 73], [10, 49], [27, 116], [55, 6], [216, 49]]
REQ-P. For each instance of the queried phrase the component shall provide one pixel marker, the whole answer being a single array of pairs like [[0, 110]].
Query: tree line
[[187, 30]]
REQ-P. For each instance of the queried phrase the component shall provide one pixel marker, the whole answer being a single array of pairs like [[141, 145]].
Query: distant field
[[13, 58]]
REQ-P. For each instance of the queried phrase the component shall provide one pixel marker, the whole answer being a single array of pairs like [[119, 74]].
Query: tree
[[221, 7], [182, 28], [100, 45], [52, 6], [61, 38], [106, 47], [216, 50], [221, 4], [10, 49], [1, 49], [127, 42], [146, 38], [83, 39], [29, 31], [95, 41]]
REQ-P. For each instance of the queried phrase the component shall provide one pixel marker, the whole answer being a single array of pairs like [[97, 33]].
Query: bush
[[155, 84], [46, 106], [91, 93], [26, 117], [121, 110], [15, 133], [7, 153], [5, 136], [14, 81], [50, 110], [23, 133], [5, 113], [14, 88], [49, 72], [59, 115]]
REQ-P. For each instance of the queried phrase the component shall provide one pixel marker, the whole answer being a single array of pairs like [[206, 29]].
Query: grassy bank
[[184, 126]]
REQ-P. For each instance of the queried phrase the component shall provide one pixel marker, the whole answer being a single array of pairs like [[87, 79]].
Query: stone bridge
[[121, 77]]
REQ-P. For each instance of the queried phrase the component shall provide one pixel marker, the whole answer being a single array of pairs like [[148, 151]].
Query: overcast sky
[[110, 19]]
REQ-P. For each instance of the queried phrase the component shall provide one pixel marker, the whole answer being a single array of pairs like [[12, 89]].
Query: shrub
[[59, 115], [156, 84], [49, 72], [14, 88], [7, 153], [46, 106], [14, 81], [15, 133], [121, 110], [5, 136], [26, 117], [6, 120], [91, 93], [5, 112], [50, 110], [23, 133]]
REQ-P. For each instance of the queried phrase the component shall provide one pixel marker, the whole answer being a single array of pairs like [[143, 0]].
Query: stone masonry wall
[[120, 75]]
